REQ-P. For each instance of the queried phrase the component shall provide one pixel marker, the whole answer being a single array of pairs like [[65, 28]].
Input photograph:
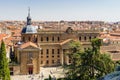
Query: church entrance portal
[[30, 69]]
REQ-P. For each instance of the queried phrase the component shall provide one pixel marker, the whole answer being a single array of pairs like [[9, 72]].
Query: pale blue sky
[[51, 10]]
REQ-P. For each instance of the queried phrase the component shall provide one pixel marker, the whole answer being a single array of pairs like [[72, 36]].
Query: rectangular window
[[47, 39], [58, 56], [42, 52], [47, 51], [53, 62], [80, 38], [47, 62], [52, 51], [58, 61], [41, 62], [85, 38], [58, 51], [53, 38], [41, 38], [90, 38], [58, 38]]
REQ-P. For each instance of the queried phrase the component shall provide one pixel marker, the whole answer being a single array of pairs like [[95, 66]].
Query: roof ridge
[[28, 44]]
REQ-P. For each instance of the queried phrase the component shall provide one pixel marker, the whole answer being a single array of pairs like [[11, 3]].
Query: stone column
[[62, 57]]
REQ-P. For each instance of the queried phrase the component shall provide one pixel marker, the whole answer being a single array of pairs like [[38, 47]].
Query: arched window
[[58, 38], [47, 39], [80, 38], [85, 38], [90, 38], [53, 38], [94, 36], [41, 38]]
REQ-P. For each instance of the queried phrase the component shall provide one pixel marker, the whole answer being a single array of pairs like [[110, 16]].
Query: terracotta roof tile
[[24, 45], [17, 35], [2, 36], [66, 41]]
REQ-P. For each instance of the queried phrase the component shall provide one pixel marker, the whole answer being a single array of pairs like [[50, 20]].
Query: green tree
[[91, 61], [90, 64], [74, 54], [96, 64], [50, 78], [4, 68]]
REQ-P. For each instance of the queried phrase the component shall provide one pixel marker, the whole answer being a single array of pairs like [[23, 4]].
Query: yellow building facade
[[41, 47]]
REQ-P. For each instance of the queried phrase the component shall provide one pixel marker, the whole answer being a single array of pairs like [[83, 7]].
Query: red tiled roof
[[16, 39], [66, 41], [17, 35], [2, 36], [24, 45], [8, 41]]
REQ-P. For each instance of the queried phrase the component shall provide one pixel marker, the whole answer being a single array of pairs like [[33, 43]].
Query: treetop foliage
[[4, 68], [89, 64]]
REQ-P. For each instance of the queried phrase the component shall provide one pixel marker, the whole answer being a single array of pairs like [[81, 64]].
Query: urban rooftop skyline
[[56, 10]]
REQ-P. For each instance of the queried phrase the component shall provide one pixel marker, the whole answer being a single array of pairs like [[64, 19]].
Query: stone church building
[[41, 47]]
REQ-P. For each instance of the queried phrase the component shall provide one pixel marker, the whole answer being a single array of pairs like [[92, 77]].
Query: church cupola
[[29, 28]]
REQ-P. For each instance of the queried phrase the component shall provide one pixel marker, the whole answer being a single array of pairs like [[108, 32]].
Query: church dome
[[29, 29]]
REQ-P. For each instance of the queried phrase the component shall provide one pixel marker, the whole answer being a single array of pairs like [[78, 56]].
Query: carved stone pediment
[[69, 30], [30, 47]]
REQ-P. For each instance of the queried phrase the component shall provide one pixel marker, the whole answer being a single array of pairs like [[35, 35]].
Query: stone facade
[[28, 56], [43, 47], [48, 48], [51, 47]]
